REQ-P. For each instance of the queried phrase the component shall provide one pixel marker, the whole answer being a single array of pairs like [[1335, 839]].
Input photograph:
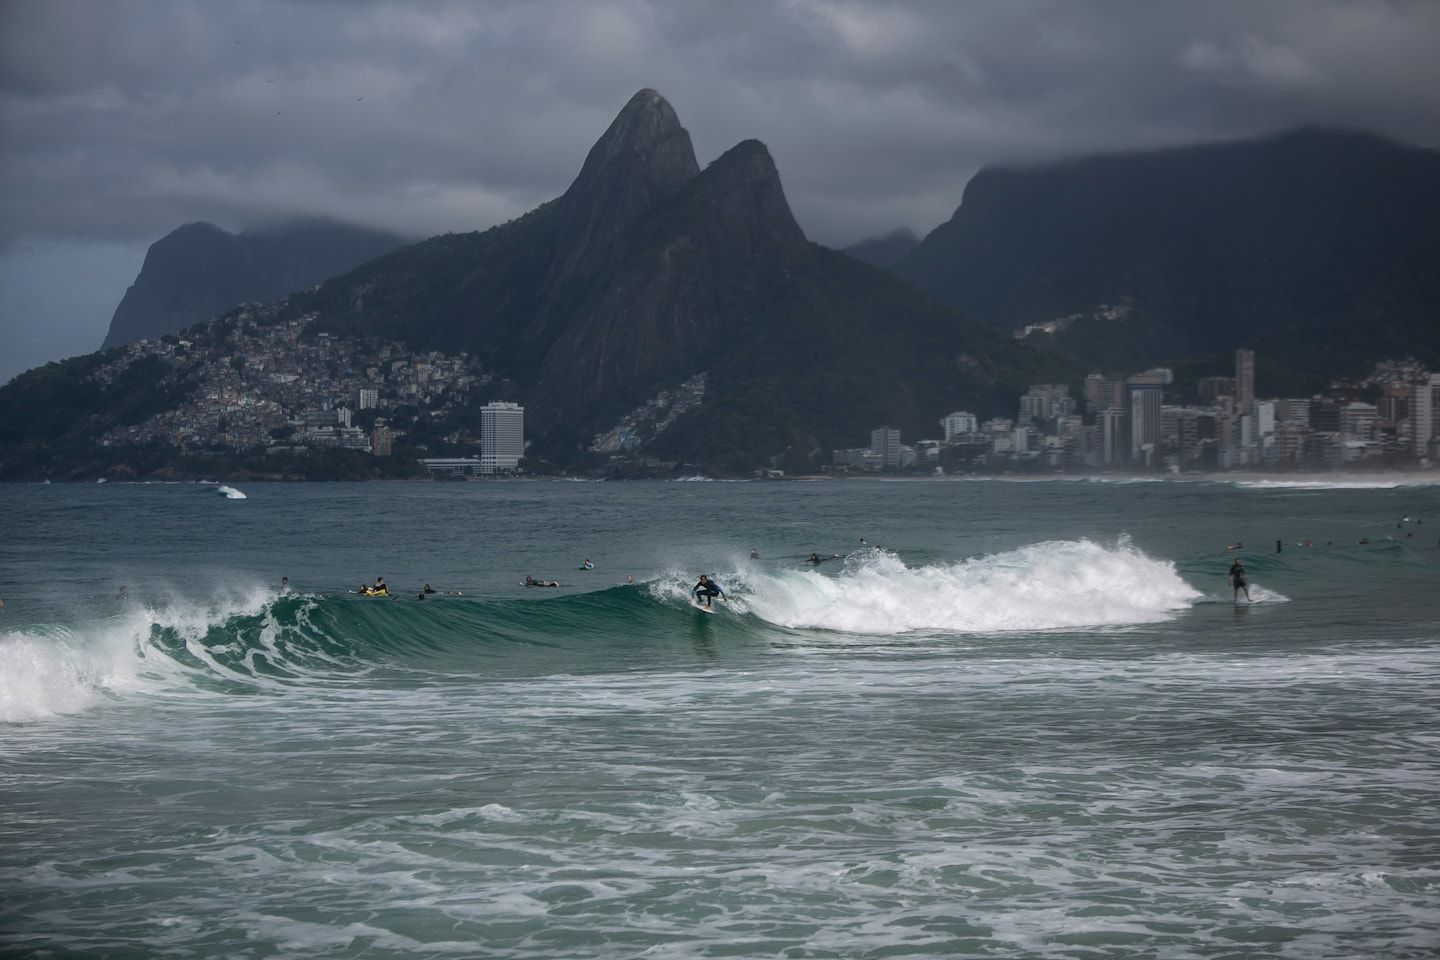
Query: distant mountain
[[886, 251], [198, 271], [648, 271], [1319, 249]]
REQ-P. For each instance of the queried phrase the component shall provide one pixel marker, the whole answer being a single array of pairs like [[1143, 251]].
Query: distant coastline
[[1332, 480]]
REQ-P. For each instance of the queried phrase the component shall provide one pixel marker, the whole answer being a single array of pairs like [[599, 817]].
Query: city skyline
[[1126, 425]]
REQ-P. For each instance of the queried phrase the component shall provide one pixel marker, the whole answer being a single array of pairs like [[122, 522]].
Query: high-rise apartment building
[[885, 443], [1293, 410], [1114, 439], [1265, 426], [1102, 393], [1046, 401], [959, 424], [1357, 421], [1244, 379], [369, 399], [502, 437], [1424, 413], [1145, 403]]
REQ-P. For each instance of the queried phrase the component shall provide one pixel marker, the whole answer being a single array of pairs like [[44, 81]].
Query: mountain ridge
[[712, 274], [199, 270], [884, 251], [1314, 244]]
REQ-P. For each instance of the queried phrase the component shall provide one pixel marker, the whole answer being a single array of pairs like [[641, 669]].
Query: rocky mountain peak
[[742, 192], [644, 157]]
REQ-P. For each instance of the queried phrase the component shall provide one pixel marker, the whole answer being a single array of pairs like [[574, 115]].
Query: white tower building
[[502, 437]]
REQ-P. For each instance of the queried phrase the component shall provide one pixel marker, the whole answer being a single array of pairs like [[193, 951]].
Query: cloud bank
[[118, 122]]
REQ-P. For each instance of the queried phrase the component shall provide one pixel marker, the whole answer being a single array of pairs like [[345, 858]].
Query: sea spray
[[49, 670], [1044, 586]]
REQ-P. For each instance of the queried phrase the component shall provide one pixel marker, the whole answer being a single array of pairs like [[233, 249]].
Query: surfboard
[[701, 607]]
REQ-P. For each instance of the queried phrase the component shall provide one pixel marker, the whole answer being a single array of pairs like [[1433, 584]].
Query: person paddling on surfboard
[[1238, 581], [707, 590]]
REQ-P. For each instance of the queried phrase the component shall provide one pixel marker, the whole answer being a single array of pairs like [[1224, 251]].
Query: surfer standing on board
[[707, 590], [1238, 581]]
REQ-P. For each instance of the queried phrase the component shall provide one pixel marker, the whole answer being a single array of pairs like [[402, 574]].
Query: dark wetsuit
[[707, 590]]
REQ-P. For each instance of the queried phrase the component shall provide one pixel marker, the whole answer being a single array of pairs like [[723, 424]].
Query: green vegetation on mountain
[[54, 413], [821, 372], [1315, 248], [461, 291], [649, 270]]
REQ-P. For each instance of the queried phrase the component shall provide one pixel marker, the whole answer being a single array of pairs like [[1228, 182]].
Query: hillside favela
[[692, 480]]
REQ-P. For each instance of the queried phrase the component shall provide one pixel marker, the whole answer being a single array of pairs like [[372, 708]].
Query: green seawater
[[1019, 719]]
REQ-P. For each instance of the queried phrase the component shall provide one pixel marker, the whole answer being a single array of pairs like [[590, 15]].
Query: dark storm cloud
[[120, 121], [123, 120]]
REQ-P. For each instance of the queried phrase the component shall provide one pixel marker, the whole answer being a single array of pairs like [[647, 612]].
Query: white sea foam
[[47, 671], [1258, 593], [1045, 586], [230, 493], [1337, 483]]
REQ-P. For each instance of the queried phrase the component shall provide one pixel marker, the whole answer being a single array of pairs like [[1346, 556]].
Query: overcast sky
[[122, 119]]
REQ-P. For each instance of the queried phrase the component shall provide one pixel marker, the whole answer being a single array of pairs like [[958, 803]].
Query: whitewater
[[1034, 722]]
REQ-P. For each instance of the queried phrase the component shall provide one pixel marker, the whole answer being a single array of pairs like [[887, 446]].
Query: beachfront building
[[502, 437], [885, 443], [959, 424]]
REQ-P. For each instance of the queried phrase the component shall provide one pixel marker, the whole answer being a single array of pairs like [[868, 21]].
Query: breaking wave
[[48, 670], [1044, 586], [264, 643]]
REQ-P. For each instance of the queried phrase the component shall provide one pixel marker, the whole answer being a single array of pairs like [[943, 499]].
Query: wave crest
[[1044, 586], [49, 670]]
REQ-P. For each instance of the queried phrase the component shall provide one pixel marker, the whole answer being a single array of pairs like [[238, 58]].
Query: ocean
[[1002, 719]]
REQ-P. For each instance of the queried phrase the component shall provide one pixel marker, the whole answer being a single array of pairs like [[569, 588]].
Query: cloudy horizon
[[122, 122]]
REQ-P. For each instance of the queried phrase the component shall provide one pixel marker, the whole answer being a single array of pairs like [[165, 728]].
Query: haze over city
[[122, 122]]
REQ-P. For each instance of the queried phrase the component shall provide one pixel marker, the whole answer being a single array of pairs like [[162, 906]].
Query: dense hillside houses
[[262, 383]]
